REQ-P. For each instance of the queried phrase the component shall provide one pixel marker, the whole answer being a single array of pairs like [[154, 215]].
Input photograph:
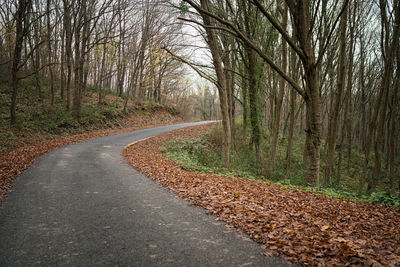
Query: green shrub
[[385, 198], [8, 139], [203, 154]]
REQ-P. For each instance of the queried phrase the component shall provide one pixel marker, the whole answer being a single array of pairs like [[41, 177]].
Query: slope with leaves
[[303, 227], [15, 162]]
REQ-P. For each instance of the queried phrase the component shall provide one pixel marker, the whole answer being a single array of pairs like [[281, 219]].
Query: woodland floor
[[302, 227], [15, 162]]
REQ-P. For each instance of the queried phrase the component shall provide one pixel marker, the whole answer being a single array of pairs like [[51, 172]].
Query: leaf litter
[[299, 226], [15, 162]]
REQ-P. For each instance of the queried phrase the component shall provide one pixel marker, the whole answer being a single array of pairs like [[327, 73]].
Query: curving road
[[82, 205]]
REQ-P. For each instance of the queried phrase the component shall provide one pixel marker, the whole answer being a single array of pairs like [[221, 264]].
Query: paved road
[[82, 205]]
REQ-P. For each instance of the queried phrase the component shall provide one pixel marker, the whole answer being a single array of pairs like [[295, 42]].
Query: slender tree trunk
[[121, 53], [36, 59], [347, 125], [390, 48], [272, 99], [77, 72], [102, 72], [254, 97], [140, 92], [86, 58], [49, 51], [294, 71], [62, 65], [229, 89], [68, 49], [78, 64], [20, 31], [232, 100], [289, 149], [221, 80], [244, 106], [334, 118], [278, 106], [392, 130]]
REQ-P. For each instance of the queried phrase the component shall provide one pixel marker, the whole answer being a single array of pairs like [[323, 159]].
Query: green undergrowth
[[203, 154], [194, 155], [38, 120]]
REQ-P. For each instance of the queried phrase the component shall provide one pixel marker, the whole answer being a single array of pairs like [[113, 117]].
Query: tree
[[279, 100], [221, 80], [303, 26], [21, 29], [337, 98]]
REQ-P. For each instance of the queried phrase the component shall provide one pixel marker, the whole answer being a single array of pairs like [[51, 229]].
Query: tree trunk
[[221, 80], [62, 65], [121, 53], [68, 49], [254, 100], [36, 59], [80, 45], [244, 106], [20, 31], [334, 114], [292, 115], [291, 129], [301, 21], [313, 128], [76, 99], [100, 85], [390, 49], [392, 134], [346, 124], [278, 105], [49, 51]]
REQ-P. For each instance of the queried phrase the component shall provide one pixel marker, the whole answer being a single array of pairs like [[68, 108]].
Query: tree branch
[[248, 42], [278, 26], [322, 52], [192, 66], [207, 26]]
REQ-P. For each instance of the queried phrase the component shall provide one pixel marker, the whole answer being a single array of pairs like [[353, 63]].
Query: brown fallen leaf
[[324, 228], [289, 223], [17, 161]]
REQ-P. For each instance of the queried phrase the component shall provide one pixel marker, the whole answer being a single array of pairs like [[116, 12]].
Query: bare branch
[[322, 52], [192, 66], [248, 42], [278, 26]]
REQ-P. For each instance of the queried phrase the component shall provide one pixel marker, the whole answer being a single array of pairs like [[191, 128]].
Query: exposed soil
[[303, 227]]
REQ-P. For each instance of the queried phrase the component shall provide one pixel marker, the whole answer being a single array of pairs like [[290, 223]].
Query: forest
[[324, 71], [307, 88], [279, 118]]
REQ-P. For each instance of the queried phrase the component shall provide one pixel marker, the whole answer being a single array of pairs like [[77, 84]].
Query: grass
[[203, 154]]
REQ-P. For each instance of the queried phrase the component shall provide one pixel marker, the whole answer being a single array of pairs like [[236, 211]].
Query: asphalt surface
[[83, 205]]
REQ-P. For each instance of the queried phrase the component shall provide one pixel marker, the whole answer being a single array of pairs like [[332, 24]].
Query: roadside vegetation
[[298, 223], [38, 120], [316, 86], [41, 127], [203, 154]]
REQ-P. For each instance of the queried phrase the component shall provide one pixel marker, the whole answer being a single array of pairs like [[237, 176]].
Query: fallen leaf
[[290, 223], [324, 228]]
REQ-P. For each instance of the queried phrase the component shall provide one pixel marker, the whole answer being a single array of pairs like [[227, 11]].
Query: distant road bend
[[83, 205]]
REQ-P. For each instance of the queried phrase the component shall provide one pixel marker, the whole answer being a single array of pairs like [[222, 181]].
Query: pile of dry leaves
[[15, 162], [300, 226]]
